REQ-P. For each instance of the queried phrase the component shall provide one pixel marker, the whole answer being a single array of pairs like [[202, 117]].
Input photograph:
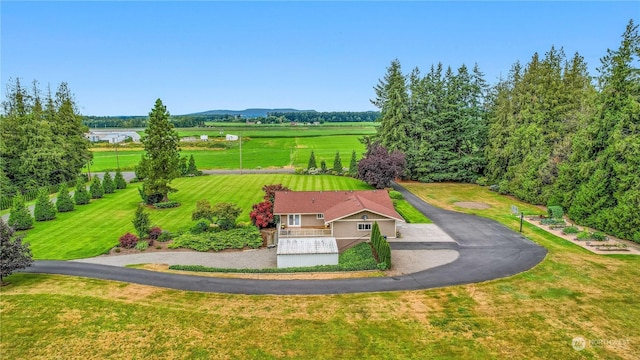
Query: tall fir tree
[[119, 180], [44, 209], [392, 99], [108, 186], [64, 203], [81, 195], [353, 164], [312, 161], [95, 188], [162, 154], [337, 163], [19, 216]]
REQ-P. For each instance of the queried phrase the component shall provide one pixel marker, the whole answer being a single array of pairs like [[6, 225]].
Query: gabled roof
[[334, 204]]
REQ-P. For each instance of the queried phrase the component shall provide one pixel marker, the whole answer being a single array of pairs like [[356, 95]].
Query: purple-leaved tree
[[379, 167]]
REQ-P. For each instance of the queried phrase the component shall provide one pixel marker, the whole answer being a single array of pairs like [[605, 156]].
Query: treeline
[[179, 121], [322, 117], [549, 133], [43, 140]]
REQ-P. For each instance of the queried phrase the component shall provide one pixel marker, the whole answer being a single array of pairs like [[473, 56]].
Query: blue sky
[[119, 56]]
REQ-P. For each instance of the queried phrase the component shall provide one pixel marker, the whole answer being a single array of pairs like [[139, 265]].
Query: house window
[[364, 226], [319, 216], [294, 219]]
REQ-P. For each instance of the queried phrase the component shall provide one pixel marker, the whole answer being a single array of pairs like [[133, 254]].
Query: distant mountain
[[249, 113]]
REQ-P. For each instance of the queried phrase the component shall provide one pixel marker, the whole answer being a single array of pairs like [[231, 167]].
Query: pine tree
[[353, 164], [95, 189], [19, 217], [44, 209], [81, 196], [162, 153], [64, 203], [392, 99], [119, 181], [192, 169], [323, 167], [312, 161], [337, 163], [141, 222], [108, 186], [14, 254]]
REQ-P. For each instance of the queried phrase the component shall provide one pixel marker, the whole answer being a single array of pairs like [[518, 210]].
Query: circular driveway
[[486, 250]]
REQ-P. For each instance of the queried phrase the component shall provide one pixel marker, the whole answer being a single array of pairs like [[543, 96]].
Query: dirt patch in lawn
[[472, 205]]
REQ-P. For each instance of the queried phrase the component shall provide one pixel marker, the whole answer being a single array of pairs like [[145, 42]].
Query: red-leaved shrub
[[128, 241], [155, 232]]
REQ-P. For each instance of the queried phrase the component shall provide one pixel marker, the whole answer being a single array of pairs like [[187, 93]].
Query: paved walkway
[[487, 250]]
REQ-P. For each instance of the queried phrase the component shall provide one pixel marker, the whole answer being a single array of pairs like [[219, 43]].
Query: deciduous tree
[[14, 254]]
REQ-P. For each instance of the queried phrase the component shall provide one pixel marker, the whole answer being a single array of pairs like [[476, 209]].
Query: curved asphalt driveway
[[487, 250]]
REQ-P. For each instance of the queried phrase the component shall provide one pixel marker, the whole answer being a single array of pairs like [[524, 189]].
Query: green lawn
[[533, 315], [93, 229], [263, 152]]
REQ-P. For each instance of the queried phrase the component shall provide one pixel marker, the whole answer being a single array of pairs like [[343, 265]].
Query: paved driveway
[[487, 250]]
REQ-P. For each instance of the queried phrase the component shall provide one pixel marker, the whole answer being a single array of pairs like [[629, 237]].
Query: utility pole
[[240, 137], [115, 144]]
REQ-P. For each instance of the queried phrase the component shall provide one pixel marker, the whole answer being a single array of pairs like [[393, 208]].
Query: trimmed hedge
[[357, 258], [381, 247], [166, 205]]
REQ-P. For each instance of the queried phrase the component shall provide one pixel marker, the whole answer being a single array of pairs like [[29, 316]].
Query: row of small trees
[[45, 209], [381, 247], [337, 169]]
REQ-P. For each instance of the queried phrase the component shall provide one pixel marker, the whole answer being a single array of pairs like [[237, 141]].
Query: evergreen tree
[[606, 154], [64, 203], [353, 164], [81, 196], [312, 161], [162, 153], [323, 167], [19, 217], [44, 209], [95, 189], [337, 163], [119, 180], [14, 254], [192, 169], [142, 169], [392, 99], [108, 186], [141, 222]]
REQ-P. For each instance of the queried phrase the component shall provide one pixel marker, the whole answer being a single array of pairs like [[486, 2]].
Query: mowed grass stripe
[[93, 229]]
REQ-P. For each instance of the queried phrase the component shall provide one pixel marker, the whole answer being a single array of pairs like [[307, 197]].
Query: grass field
[[93, 229], [533, 315], [262, 152]]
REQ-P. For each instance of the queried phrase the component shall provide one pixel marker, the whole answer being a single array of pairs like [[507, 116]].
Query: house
[[347, 216]]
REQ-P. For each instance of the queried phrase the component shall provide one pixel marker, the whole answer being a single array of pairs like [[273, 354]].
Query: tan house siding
[[311, 220], [369, 214], [349, 229]]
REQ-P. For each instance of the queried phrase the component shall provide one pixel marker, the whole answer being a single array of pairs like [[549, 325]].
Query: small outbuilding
[[303, 252], [230, 137]]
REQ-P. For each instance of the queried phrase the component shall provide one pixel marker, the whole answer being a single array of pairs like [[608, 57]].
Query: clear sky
[[119, 56]]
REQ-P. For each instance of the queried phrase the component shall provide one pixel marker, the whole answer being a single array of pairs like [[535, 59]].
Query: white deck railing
[[304, 232]]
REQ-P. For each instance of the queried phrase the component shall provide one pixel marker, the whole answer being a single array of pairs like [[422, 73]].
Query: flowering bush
[[128, 241]]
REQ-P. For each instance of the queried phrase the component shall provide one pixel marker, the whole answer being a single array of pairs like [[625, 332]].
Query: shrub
[[155, 232], [555, 212], [81, 195], [166, 205], [165, 236], [226, 215], [142, 245], [20, 218], [44, 209], [203, 211], [494, 187], [598, 236], [200, 227], [380, 246], [570, 230], [64, 203], [583, 235], [119, 181], [108, 186], [141, 222], [396, 195], [95, 189], [128, 241], [237, 238]]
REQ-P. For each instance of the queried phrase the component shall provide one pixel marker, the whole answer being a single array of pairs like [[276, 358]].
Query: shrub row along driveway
[[487, 250]]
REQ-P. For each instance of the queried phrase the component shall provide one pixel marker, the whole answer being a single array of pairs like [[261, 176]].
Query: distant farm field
[[257, 152], [93, 229]]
